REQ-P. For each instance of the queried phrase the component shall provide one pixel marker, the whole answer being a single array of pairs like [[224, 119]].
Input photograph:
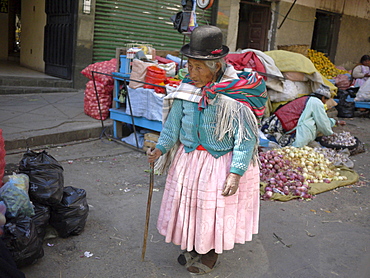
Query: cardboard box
[[151, 136]]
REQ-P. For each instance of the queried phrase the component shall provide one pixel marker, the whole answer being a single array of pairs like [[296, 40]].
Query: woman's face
[[324, 99], [366, 63], [199, 72]]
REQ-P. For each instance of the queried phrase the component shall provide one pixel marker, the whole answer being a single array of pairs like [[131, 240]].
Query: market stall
[[143, 79]]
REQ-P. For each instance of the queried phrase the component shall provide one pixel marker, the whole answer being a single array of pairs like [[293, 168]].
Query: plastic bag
[[345, 108], [46, 177], [131, 140], [2, 216], [16, 200], [22, 240], [138, 73], [8, 268], [170, 68], [69, 217], [41, 218], [363, 93], [21, 181]]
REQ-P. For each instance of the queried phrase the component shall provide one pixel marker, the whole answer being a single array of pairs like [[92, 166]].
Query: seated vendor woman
[[361, 72], [298, 122]]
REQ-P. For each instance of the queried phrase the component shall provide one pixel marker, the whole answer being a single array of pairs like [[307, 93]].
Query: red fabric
[[289, 113], [201, 148], [162, 60], [245, 60]]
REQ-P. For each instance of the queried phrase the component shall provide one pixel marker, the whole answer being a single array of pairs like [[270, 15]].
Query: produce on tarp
[[343, 139], [291, 171], [337, 157]]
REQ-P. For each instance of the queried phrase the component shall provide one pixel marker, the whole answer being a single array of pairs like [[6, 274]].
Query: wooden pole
[[151, 184]]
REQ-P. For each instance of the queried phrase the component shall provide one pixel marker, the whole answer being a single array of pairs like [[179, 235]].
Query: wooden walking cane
[[151, 183]]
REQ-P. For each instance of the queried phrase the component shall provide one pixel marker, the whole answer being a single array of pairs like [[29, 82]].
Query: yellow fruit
[[324, 65]]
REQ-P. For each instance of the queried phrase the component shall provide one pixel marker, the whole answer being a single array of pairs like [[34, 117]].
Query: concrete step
[[8, 90], [35, 82]]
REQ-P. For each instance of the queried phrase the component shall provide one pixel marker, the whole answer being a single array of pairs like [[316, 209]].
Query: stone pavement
[[29, 120]]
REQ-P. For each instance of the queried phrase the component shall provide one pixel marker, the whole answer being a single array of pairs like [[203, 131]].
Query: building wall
[[3, 36], [357, 8], [354, 32], [84, 44], [227, 21], [297, 27], [32, 42], [353, 41]]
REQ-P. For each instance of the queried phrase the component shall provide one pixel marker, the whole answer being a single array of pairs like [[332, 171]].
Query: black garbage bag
[[8, 267], [345, 108], [352, 91], [46, 177], [69, 217], [22, 240], [41, 218]]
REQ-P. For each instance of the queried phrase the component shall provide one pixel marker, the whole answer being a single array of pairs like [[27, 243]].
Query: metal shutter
[[147, 21]]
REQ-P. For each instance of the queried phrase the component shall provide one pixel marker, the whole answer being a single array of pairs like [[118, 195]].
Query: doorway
[[254, 22], [14, 30], [59, 37], [325, 34]]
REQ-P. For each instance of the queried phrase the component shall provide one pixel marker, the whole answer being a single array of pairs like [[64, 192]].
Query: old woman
[[210, 142]]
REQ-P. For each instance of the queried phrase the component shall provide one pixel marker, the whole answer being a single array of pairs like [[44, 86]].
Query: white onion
[[290, 170]]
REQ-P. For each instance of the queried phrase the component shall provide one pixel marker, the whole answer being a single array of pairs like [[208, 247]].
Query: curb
[[56, 138]]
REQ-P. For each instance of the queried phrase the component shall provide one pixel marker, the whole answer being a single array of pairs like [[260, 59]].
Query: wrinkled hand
[[153, 155], [231, 184]]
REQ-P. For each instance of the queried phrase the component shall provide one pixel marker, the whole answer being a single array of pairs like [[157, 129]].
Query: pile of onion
[[334, 156], [290, 170], [344, 139]]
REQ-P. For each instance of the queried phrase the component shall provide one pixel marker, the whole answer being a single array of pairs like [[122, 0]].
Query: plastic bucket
[[155, 75]]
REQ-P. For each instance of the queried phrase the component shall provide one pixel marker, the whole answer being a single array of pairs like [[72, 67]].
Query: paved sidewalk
[[29, 120]]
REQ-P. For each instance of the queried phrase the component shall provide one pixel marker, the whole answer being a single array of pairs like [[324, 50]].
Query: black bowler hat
[[205, 44]]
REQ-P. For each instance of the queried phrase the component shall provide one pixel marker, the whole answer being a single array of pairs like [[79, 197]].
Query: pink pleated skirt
[[194, 213]]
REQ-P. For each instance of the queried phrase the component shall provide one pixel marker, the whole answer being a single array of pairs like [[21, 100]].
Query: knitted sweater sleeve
[[171, 128]]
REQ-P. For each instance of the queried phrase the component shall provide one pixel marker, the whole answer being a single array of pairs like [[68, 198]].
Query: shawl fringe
[[231, 116]]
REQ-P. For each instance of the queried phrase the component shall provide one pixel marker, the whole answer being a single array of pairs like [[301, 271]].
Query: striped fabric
[[250, 90]]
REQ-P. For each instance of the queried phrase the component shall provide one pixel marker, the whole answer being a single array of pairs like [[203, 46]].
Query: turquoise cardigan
[[185, 123]]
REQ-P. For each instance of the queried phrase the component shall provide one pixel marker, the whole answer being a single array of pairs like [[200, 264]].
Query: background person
[[210, 137], [298, 122], [361, 72]]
